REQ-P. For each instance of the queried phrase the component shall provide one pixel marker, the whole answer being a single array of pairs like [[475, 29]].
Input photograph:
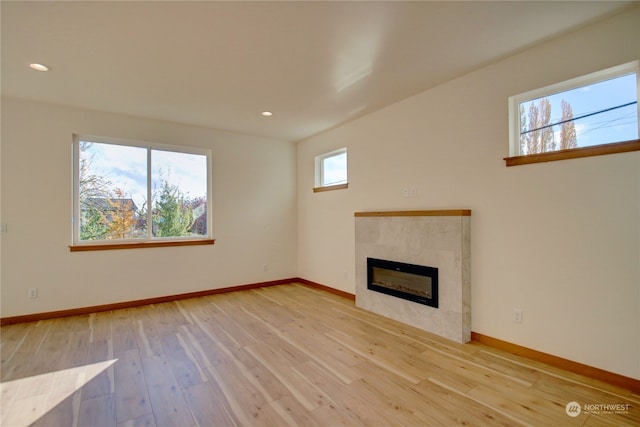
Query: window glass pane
[[179, 193], [334, 169], [112, 191], [599, 113]]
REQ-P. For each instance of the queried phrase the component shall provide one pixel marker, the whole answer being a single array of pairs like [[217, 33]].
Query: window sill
[[330, 188], [575, 153], [112, 246]]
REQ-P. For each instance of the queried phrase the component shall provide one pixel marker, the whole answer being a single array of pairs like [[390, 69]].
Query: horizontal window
[[589, 111], [133, 192]]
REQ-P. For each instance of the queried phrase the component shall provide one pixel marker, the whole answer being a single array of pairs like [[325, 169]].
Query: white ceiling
[[220, 64]]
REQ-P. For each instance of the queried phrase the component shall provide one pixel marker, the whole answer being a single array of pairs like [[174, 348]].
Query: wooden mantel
[[448, 212]]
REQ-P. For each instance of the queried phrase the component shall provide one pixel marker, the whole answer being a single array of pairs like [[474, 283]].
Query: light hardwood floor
[[287, 355]]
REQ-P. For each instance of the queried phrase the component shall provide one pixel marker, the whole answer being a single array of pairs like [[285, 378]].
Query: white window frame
[[319, 169], [149, 146], [589, 79]]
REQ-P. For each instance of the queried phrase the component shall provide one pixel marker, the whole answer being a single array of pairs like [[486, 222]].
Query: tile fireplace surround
[[438, 239]]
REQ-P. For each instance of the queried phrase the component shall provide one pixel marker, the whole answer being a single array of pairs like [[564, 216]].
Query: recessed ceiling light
[[39, 67], [267, 113]]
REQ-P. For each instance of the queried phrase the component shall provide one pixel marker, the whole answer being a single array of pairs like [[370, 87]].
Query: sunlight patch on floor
[[25, 400]]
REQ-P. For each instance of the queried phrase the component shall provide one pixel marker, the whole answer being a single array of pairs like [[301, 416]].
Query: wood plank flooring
[[286, 355]]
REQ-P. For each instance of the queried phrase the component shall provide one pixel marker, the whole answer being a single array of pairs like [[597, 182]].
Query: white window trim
[[589, 79], [319, 169], [75, 222]]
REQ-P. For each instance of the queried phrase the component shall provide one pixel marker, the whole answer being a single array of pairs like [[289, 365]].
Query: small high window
[[331, 170], [589, 111], [134, 192]]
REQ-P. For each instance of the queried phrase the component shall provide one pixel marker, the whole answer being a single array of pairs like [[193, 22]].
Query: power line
[[611, 123], [579, 117]]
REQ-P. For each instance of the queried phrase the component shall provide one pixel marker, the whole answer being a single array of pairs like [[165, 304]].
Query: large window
[[589, 111], [133, 192], [331, 170]]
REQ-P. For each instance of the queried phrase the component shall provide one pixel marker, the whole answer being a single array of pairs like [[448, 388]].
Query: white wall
[[253, 214], [559, 240]]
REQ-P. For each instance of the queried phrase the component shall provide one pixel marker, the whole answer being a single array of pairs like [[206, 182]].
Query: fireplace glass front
[[412, 282]]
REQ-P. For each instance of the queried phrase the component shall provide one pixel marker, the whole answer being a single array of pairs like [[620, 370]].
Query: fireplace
[[440, 239], [412, 282]]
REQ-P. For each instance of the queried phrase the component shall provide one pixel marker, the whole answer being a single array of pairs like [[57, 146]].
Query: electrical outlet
[[405, 192], [33, 293], [517, 315], [265, 267]]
